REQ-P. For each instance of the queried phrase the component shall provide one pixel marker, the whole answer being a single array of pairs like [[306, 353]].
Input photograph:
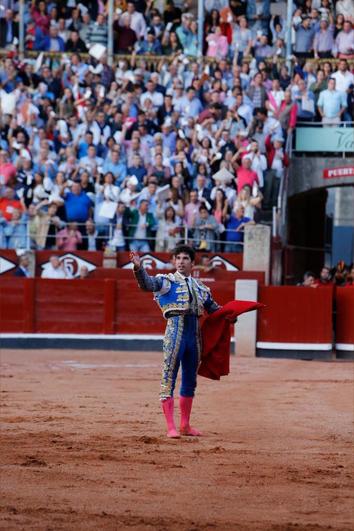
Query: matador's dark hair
[[184, 249]]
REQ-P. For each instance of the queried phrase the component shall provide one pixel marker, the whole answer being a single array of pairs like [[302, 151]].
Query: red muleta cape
[[216, 338]]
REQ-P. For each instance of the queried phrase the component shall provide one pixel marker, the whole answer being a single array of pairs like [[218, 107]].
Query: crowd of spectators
[[145, 153], [320, 28], [341, 275]]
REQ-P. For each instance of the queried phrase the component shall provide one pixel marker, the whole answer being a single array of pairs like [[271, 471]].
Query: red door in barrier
[[345, 318], [296, 316]]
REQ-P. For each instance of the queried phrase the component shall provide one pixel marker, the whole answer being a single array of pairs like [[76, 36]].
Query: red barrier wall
[[295, 315], [102, 306], [345, 315], [108, 306]]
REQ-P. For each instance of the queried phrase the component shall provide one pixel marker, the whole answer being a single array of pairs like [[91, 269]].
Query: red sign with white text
[[334, 173]]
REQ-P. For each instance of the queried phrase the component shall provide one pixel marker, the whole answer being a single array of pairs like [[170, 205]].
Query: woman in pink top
[[246, 176], [217, 44], [40, 16], [220, 207], [69, 238]]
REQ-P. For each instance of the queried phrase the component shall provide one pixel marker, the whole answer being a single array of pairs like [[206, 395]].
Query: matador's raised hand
[[135, 259]]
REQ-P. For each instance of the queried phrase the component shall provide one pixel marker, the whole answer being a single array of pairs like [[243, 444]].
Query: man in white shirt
[[137, 21], [76, 129], [152, 94], [55, 269], [91, 162], [101, 131], [343, 77]]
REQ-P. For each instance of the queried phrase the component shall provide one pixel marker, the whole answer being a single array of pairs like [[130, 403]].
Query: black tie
[[189, 290]]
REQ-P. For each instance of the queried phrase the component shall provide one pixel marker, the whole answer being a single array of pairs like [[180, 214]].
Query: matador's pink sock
[[168, 408], [185, 404]]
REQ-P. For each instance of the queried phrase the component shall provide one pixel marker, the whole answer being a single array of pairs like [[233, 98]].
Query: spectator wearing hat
[[332, 104], [223, 179], [129, 192]]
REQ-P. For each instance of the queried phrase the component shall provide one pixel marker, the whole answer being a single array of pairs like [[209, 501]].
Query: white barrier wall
[[246, 326]]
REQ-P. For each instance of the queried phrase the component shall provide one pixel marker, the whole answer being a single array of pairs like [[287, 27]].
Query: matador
[[182, 300]]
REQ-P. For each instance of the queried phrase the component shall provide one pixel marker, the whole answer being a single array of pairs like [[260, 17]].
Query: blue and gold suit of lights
[[182, 301]]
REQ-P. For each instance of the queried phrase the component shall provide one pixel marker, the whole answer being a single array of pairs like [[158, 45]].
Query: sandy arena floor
[[83, 446]]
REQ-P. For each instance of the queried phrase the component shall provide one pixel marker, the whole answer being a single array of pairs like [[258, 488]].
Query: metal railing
[[104, 233]]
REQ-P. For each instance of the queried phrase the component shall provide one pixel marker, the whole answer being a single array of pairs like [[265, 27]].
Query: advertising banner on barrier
[[327, 139], [96, 259]]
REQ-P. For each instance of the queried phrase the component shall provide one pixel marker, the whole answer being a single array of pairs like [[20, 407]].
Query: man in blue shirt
[[305, 33], [332, 103], [78, 205], [192, 106], [115, 166], [234, 231]]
